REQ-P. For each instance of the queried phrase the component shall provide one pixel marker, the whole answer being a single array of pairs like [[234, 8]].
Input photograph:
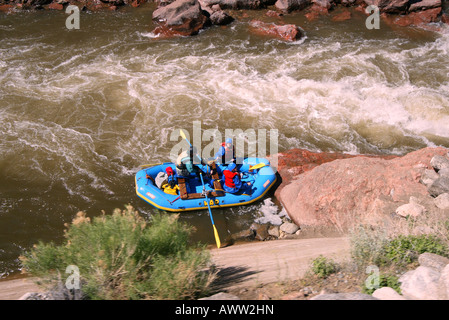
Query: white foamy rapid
[[270, 213], [121, 99]]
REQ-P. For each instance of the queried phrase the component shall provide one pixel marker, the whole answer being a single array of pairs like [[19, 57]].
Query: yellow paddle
[[217, 238], [150, 165], [257, 166]]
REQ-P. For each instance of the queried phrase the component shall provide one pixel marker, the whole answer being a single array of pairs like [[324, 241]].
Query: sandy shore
[[265, 262], [13, 289]]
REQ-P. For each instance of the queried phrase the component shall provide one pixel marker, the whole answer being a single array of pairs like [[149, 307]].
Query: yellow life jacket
[[169, 190]]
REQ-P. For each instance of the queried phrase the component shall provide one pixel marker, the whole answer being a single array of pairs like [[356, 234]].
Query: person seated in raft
[[226, 153], [233, 182], [170, 186], [185, 164]]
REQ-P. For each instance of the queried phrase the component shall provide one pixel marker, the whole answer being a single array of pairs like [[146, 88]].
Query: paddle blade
[[217, 238], [150, 165], [183, 135], [257, 166]]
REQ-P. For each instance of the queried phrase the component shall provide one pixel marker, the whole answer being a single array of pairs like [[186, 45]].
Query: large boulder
[[291, 163], [420, 284], [291, 5], [287, 32], [179, 18], [424, 5], [439, 186], [416, 18], [390, 6], [440, 162], [238, 4], [220, 18], [345, 192], [442, 201]]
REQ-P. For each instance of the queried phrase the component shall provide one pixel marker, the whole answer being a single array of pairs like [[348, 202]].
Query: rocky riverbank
[[368, 190], [187, 17], [329, 194]]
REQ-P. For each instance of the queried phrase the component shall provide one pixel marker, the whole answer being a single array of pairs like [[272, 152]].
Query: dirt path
[[15, 288], [265, 262]]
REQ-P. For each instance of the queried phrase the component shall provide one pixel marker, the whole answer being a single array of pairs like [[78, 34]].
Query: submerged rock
[[220, 18], [287, 32], [291, 5], [239, 4]]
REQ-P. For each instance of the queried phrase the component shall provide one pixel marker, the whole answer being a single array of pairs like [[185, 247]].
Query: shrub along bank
[[121, 256]]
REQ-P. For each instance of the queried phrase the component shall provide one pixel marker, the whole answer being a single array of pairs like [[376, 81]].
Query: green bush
[[385, 280], [123, 257], [373, 247], [323, 267], [404, 250]]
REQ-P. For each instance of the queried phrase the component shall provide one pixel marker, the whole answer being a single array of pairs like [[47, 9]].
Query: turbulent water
[[80, 110]]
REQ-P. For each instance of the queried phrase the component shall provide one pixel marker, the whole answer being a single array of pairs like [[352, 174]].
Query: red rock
[[55, 6], [5, 8], [418, 18], [136, 3], [424, 5], [315, 11], [287, 32], [343, 16], [445, 18], [390, 6], [291, 5], [361, 8], [274, 14], [356, 190]]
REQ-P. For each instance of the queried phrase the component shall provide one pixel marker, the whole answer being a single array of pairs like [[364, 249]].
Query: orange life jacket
[[229, 153], [229, 178]]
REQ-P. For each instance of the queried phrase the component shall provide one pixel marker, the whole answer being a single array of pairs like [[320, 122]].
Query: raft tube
[[255, 183]]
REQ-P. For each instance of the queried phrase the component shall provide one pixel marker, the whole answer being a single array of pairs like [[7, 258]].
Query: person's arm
[[221, 152], [237, 181]]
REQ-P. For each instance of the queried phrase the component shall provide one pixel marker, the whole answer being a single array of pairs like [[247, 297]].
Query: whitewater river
[[80, 110]]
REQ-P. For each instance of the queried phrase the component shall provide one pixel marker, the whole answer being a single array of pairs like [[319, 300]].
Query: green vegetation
[[385, 280], [323, 267], [371, 247], [121, 256], [394, 253], [404, 250]]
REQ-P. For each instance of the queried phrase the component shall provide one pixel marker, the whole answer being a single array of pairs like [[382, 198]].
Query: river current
[[80, 110]]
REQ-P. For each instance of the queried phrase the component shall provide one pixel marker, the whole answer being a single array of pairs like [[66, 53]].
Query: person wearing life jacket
[[233, 183], [185, 163], [226, 153], [170, 186]]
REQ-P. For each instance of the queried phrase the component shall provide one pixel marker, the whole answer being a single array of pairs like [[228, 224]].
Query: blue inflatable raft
[[192, 194]]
